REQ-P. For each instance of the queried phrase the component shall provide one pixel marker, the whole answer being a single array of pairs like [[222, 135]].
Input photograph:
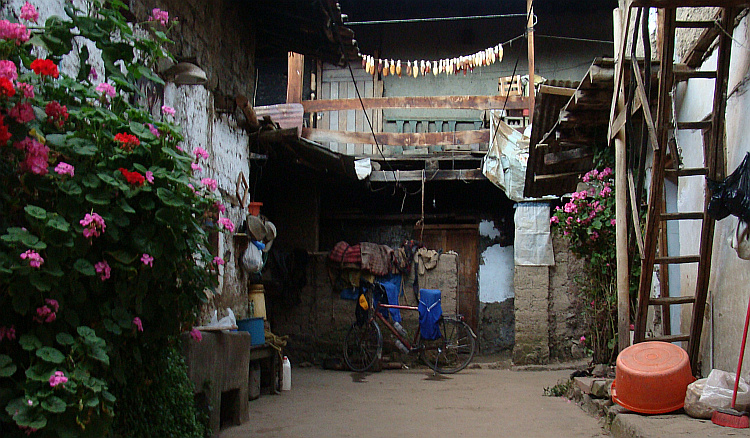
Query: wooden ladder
[[666, 164]]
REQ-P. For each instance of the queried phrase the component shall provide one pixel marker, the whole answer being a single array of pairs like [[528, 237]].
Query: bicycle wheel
[[362, 345], [453, 351]]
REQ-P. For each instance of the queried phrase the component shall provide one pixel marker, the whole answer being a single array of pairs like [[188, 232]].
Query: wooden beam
[[560, 91], [696, 53], [689, 3], [419, 139], [436, 175], [295, 68], [532, 73], [547, 177], [432, 102], [553, 158]]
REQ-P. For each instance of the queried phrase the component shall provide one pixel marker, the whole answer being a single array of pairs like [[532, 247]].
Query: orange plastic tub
[[652, 378]]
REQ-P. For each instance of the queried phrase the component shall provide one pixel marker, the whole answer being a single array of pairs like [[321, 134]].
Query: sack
[[430, 312], [693, 405], [731, 195], [252, 259], [717, 392], [741, 240]]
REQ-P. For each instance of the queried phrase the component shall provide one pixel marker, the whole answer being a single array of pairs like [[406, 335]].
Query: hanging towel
[[430, 312], [392, 285]]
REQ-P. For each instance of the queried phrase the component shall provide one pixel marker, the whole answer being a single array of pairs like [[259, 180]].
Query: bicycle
[[448, 354]]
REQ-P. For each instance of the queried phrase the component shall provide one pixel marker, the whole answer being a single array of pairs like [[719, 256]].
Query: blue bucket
[[254, 326]]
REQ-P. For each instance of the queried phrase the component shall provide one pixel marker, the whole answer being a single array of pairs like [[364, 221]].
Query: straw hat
[[270, 235], [255, 227]]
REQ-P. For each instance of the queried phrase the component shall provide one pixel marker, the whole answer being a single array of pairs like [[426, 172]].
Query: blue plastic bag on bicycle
[[430, 312]]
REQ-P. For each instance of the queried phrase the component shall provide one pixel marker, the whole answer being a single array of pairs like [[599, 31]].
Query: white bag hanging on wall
[[741, 240], [252, 259]]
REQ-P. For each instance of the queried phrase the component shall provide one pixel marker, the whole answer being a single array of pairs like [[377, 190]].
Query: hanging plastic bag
[[732, 195], [252, 259], [741, 240], [718, 389]]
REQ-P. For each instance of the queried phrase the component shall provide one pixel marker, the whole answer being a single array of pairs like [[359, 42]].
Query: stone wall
[[566, 320], [532, 285]]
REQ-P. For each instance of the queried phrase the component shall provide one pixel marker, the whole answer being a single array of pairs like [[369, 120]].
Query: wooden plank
[[619, 72], [553, 158], [555, 176], [689, 3], [694, 56], [643, 97], [399, 139], [694, 24], [559, 91], [530, 50], [295, 68], [432, 102], [669, 301], [634, 207], [416, 175]]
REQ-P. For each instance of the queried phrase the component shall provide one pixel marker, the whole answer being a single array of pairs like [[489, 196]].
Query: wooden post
[[530, 37], [621, 200], [295, 68]]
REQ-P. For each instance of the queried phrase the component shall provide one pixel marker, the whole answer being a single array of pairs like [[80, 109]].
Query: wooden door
[[464, 240]]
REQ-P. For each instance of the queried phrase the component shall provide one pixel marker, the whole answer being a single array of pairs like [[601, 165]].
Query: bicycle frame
[[412, 346]]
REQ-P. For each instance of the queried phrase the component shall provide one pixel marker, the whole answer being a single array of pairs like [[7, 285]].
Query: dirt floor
[[413, 403]]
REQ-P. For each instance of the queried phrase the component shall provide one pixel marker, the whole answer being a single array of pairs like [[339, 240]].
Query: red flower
[[45, 67], [128, 141], [6, 87], [134, 178], [56, 114], [4, 134]]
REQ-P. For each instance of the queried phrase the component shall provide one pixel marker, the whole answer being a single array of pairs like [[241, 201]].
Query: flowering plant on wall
[[103, 246], [587, 221]]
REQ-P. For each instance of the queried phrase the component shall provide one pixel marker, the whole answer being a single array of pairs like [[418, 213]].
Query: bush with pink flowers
[[103, 239]]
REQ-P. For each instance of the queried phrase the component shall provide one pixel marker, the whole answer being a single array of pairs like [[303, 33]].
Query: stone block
[[220, 362], [601, 388]]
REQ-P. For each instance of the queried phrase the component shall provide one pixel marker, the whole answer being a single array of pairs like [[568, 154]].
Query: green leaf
[[138, 129], [40, 282], [111, 326], [54, 404], [92, 402], [70, 187], [99, 354], [91, 181], [40, 372], [57, 140], [108, 179], [58, 222], [106, 395], [169, 198], [122, 256], [86, 332], [64, 339], [147, 203], [84, 267], [7, 367], [98, 198], [36, 212], [148, 74], [49, 354], [29, 342], [125, 206]]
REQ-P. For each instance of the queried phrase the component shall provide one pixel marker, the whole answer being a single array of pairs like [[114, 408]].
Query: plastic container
[[257, 300], [652, 378], [286, 382], [400, 329], [401, 346], [254, 208], [254, 326]]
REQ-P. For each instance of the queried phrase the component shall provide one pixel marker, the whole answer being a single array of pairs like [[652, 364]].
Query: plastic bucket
[[254, 326], [254, 208], [257, 300], [652, 378]]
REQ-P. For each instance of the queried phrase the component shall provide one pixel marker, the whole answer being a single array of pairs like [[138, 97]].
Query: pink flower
[[106, 89], [29, 13], [93, 74], [220, 207], [168, 110], [93, 225], [57, 379], [160, 16], [150, 176], [8, 333], [582, 340], [227, 223], [53, 304], [554, 220], [26, 89], [147, 260], [196, 167], [103, 269], [64, 169], [210, 184], [37, 155], [200, 153], [196, 335], [153, 130], [605, 173], [45, 314], [14, 31], [35, 260], [179, 148], [605, 192], [22, 112], [8, 70], [613, 222], [138, 324], [219, 261]]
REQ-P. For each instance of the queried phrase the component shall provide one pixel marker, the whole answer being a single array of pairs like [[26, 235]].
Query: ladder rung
[[694, 24], [670, 338], [693, 171], [705, 124], [671, 300], [693, 215], [680, 76], [677, 259]]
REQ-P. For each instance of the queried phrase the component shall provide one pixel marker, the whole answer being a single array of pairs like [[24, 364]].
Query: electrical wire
[[587, 40], [425, 20]]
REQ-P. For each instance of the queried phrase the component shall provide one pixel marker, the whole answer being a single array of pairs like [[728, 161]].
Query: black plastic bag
[[732, 195]]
